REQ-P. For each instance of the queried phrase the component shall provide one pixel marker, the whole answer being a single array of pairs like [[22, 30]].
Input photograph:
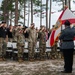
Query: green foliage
[[1, 17], [37, 2], [10, 6]]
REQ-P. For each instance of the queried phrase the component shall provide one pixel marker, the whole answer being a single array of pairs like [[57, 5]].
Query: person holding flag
[[65, 15], [67, 46]]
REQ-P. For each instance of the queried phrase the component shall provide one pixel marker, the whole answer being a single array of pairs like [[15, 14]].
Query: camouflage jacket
[[42, 37], [20, 39], [32, 35]]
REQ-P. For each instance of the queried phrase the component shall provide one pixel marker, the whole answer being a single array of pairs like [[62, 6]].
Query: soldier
[[32, 40], [54, 53], [20, 45], [15, 32], [3, 40], [42, 42]]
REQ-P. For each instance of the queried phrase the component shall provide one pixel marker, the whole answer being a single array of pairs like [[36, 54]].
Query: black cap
[[32, 24], [3, 21], [19, 25], [67, 23], [26, 27]]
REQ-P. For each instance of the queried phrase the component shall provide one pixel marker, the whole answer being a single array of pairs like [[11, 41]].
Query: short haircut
[[67, 23]]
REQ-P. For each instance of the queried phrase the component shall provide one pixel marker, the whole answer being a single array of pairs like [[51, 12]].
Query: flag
[[65, 15]]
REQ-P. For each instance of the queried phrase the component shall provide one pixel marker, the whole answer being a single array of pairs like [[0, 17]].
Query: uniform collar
[[67, 26]]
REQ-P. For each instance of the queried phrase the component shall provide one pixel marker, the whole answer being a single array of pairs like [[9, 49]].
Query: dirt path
[[48, 67]]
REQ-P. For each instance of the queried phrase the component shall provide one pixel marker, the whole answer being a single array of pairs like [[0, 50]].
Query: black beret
[[3, 22]]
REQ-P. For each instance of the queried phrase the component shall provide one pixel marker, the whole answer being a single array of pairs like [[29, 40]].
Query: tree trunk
[[16, 12], [50, 14], [28, 13], [5, 12], [65, 2], [10, 17], [24, 12], [31, 11], [41, 14], [69, 4], [46, 13]]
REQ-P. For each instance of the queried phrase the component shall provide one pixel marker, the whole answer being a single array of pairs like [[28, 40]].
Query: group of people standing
[[20, 34]]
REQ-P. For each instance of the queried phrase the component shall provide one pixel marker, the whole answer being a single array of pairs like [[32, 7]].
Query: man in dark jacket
[[67, 46]]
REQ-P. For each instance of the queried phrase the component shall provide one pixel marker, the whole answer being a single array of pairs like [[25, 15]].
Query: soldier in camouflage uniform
[[32, 40], [54, 53], [20, 45], [3, 41], [42, 43], [15, 32]]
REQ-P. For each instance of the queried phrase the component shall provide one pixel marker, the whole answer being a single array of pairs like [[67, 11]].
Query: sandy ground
[[47, 67]]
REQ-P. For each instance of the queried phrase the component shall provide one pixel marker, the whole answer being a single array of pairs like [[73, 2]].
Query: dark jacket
[[67, 36], [3, 32], [9, 33]]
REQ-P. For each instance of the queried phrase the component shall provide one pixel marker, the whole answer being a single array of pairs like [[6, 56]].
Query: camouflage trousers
[[54, 53], [31, 48], [10, 39], [20, 51], [42, 49], [3, 47]]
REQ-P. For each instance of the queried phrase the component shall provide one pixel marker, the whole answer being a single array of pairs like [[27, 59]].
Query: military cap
[[32, 24], [19, 25], [25, 27], [67, 23], [3, 21]]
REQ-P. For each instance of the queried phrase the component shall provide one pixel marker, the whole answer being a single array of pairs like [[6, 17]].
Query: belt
[[67, 40]]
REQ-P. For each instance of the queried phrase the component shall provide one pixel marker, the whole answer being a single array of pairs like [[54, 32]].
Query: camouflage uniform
[[15, 32], [3, 47], [20, 44], [54, 53], [3, 42], [42, 44], [32, 39]]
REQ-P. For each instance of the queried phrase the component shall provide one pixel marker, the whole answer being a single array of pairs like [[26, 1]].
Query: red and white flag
[[65, 15]]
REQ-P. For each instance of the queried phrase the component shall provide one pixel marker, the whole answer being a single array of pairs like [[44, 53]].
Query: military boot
[[31, 59], [4, 59], [1, 59], [42, 58], [20, 60]]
